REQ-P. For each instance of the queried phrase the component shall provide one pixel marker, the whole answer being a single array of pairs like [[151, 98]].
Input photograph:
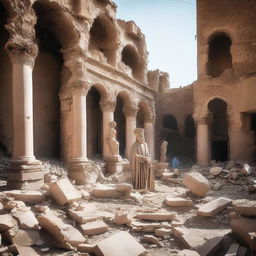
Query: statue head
[[165, 143], [139, 133]]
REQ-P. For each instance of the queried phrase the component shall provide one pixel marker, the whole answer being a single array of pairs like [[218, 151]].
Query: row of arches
[[184, 143], [47, 80]]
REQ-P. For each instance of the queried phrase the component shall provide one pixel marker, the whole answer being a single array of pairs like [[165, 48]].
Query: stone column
[[130, 113], [107, 108], [149, 127], [202, 141], [78, 161], [25, 171]]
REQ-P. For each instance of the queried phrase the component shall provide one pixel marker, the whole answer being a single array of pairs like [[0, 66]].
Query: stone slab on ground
[[197, 183], [145, 227], [107, 191], [215, 171], [188, 253], [178, 201], [192, 238], [26, 251], [87, 214], [7, 222], [233, 250], [211, 246], [64, 192], [213, 207], [245, 207], [23, 237], [26, 219], [242, 227], [158, 216], [27, 196], [119, 244], [88, 248], [94, 228], [65, 235], [163, 232], [150, 239]]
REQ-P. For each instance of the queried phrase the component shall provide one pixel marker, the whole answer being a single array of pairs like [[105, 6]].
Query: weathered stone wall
[[235, 85], [177, 102]]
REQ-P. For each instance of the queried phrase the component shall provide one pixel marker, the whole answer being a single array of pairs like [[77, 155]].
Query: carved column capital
[[107, 105], [130, 111], [150, 118]]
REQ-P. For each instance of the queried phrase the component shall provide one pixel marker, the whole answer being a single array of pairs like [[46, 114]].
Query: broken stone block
[[150, 239], [217, 186], [197, 183], [66, 235], [159, 216], [166, 175], [145, 227], [124, 188], [231, 164], [242, 227], [87, 214], [247, 170], [188, 253], [88, 248], [122, 218], [178, 201], [163, 232], [211, 246], [7, 222], [26, 219], [64, 192], [94, 228], [10, 205], [25, 251], [233, 249], [119, 244], [215, 171], [28, 196], [244, 207], [194, 239], [23, 237], [107, 191], [214, 207]]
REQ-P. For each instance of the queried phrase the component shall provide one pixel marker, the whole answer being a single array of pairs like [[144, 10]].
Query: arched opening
[[6, 131], [171, 135], [170, 122], [103, 38], [219, 56], [46, 86], [120, 120], [131, 58], [94, 124], [219, 130], [189, 127]]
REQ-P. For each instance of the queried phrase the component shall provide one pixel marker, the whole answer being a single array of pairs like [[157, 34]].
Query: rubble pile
[[107, 218]]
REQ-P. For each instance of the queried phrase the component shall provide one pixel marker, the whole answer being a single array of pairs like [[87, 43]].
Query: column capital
[[22, 51], [107, 105], [79, 87], [130, 111], [203, 120]]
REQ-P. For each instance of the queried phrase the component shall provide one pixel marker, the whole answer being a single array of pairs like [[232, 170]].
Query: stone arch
[[170, 122], [218, 127], [104, 38], [131, 58], [219, 54], [123, 101], [94, 121], [6, 127], [102, 89]]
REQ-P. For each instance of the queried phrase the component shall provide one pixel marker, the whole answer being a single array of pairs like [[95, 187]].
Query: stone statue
[[142, 172], [112, 141], [163, 151]]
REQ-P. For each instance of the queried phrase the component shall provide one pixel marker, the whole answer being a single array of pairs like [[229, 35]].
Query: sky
[[170, 29]]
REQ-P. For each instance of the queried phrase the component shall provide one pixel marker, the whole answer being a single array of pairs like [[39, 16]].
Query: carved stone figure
[[112, 141], [163, 152], [142, 172]]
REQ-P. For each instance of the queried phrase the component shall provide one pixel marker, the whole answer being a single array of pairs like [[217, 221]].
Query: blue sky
[[170, 29]]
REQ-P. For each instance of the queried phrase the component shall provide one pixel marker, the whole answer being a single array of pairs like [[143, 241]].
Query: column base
[[113, 164], [25, 175], [79, 172]]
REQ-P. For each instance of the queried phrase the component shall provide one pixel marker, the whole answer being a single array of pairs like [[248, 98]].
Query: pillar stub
[[107, 105]]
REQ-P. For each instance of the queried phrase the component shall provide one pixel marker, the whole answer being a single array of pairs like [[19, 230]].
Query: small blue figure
[[175, 162]]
